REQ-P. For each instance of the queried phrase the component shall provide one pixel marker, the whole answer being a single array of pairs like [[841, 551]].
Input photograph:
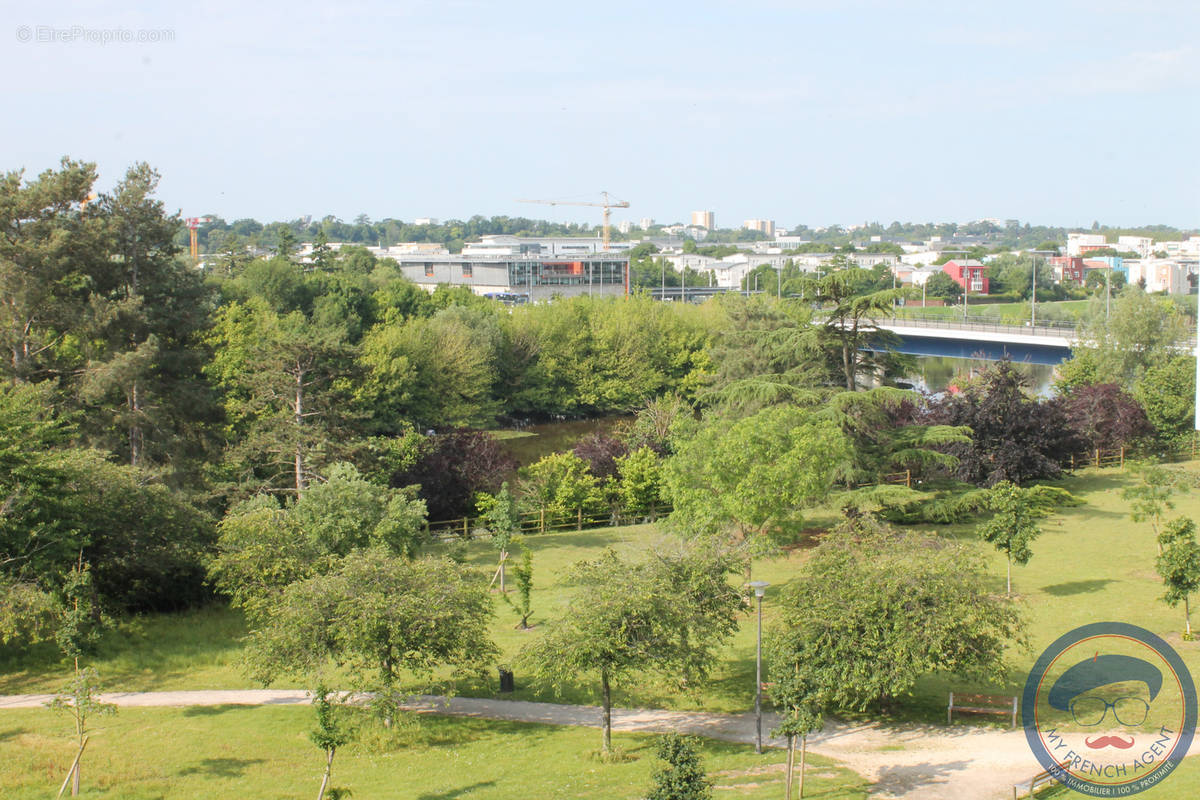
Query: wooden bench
[[1036, 783], [982, 704]]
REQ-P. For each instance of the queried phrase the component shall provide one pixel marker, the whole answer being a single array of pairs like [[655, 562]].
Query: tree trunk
[[503, 556], [606, 713], [1009, 574], [299, 419], [803, 752], [328, 768], [791, 759], [135, 426], [1187, 616]]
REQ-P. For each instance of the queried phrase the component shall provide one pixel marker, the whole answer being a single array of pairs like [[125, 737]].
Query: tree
[[768, 353], [752, 480], [1179, 566], [499, 517], [793, 690], [942, 285], [80, 700], [453, 467], [1014, 437], [1151, 497], [373, 616], [876, 608], [850, 321], [285, 393], [329, 735], [561, 484], [668, 614], [1140, 332], [262, 548], [1106, 416], [147, 312], [682, 777], [639, 485], [1013, 525], [50, 240], [524, 575], [1167, 393]]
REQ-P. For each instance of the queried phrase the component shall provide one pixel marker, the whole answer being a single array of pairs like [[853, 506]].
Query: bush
[[683, 776]]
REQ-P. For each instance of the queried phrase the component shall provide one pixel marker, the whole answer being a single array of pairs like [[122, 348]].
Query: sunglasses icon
[[1089, 711]]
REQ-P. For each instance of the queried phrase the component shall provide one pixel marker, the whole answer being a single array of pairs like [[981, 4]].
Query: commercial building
[[704, 219]]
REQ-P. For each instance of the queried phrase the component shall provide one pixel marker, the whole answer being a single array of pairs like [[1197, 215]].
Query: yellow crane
[[607, 205]]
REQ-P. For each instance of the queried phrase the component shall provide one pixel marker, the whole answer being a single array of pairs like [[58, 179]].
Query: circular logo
[[1109, 709]]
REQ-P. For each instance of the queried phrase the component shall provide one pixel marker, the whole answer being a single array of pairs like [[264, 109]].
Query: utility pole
[[1033, 299]]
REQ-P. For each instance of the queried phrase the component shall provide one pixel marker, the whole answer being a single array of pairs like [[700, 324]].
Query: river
[[935, 373]]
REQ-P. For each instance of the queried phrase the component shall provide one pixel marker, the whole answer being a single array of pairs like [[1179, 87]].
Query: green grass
[[232, 751], [1058, 310], [1091, 564]]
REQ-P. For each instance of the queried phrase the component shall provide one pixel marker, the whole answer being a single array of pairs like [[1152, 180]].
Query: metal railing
[[991, 325]]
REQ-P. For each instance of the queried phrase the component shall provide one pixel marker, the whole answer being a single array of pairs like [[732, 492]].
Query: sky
[[811, 111]]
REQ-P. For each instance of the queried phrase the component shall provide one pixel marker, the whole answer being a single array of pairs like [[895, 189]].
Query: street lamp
[[760, 588]]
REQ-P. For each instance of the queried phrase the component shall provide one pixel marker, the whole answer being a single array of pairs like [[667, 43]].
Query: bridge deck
[[1042, 335]]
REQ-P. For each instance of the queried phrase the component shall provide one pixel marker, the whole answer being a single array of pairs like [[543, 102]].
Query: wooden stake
[[803, 750], [791, 759], [74, 766]]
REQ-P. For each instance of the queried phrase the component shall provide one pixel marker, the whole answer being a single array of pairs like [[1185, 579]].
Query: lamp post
[[760, 588]]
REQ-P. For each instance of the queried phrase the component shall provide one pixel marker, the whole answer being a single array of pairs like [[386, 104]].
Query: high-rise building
[[646, 223], [704, 219], [766, 226], [625, 226]]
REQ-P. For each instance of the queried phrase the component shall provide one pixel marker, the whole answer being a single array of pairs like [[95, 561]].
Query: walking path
[[938, 763]]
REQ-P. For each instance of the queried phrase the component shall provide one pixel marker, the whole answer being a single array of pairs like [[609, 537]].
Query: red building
[[1068, 269], [969, 274]]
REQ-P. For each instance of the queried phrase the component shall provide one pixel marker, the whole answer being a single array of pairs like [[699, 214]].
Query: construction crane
[[607, 205], [193, 223]]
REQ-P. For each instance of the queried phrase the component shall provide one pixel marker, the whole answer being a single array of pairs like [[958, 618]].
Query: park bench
[[982, 704], [1036, 783]]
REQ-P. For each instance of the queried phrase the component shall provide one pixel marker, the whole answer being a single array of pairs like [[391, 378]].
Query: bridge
[[1048, 343]]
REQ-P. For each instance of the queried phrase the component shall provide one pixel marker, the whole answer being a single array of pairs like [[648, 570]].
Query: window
[[467, 270], [428, 269]]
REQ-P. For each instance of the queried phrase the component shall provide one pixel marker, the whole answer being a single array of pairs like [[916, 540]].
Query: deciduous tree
[[668, 614]]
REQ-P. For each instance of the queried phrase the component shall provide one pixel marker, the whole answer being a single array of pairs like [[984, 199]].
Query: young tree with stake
[[1013, 525], [1179, 566]]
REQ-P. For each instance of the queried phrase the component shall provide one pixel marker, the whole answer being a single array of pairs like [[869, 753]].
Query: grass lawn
[[1091, 564], [1058, 310], [233, 751]]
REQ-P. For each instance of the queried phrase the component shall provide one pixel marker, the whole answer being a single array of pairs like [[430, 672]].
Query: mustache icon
[[1106, 741]]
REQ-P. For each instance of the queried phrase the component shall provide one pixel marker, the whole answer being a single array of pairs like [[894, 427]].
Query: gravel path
[[938, 763]]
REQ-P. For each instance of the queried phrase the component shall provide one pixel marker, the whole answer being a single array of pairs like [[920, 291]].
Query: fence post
[[542, 520], [579, 519], [1097, 457], [465, 520], [1072, 462], [908, 478], [1122, 456]]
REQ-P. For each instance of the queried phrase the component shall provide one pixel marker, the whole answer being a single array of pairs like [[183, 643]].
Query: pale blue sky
[[1059, 112]]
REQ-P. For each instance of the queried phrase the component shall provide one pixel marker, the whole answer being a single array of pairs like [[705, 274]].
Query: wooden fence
[[1116, 457], [546, 520]]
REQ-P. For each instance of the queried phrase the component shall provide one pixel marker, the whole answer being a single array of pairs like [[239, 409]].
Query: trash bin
[[506, 679]]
